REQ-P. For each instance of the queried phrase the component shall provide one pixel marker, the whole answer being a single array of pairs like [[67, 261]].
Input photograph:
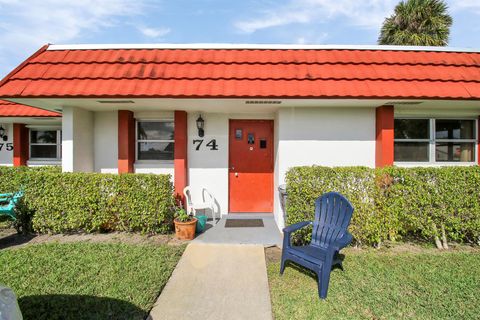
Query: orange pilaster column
[[126, 141], [180, 153], [384, 136], [20, 144]]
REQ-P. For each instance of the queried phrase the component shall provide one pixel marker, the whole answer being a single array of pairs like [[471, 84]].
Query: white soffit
[[238, 105]]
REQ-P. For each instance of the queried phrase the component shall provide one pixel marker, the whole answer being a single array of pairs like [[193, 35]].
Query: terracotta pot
[[185, 230]]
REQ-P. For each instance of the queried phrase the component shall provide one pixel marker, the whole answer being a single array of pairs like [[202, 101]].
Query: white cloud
[[273, 19], [473, 5], [59, 20], [301, 40], [25, 25], [368, 14], [153, 32], [312, 37]]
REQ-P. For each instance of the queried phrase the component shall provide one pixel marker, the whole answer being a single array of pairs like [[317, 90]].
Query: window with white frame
[[435, 140], [45, 144], [155, 139]]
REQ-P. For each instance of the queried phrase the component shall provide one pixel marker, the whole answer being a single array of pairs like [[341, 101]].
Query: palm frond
[[417, 23]]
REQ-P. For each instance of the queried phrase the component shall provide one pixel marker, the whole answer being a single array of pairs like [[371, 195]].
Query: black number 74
[[212, 144]]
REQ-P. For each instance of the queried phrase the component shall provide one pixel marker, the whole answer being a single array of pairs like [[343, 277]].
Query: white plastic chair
[[208, 202]]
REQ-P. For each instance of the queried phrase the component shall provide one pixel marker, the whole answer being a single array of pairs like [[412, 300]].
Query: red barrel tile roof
[[246, 73], [12, 109]]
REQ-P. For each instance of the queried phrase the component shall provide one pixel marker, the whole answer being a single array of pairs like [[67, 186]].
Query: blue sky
[[25, 25]]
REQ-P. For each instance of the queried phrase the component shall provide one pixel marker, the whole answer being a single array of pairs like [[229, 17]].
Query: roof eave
[[252, 46]]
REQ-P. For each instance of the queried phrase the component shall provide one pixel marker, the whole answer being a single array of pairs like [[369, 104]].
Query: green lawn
[[86, 280], [384, 286]]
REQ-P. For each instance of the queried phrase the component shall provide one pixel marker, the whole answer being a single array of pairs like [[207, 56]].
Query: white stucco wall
[[303, 136], [276, 170], [90, 142], [323, 136], [77, 140], [106, 141], [6, 157], [156, 167], [209, 168]]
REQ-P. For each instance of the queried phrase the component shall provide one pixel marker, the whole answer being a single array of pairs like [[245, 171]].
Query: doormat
[[244, 223]]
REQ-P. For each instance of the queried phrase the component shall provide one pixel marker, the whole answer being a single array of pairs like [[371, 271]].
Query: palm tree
[[417, 23]]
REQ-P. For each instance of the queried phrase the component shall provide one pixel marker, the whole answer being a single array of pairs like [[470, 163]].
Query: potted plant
[[185, 225]]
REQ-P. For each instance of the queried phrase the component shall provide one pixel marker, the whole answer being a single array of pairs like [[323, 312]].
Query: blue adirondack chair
[[8, 202], [329, 235]]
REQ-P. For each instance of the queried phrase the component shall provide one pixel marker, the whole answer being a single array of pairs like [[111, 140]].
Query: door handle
[[236, 174]]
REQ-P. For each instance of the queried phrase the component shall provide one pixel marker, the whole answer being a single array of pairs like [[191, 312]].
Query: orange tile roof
[[246, 73], [12, 109]]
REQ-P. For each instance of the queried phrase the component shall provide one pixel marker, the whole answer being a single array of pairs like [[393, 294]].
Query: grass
[[383, 286], [86, 280]]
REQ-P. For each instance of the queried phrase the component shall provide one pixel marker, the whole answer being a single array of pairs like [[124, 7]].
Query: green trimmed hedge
[[393, 203], [92, 202]]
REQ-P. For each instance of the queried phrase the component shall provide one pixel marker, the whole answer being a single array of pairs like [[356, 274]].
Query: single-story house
[[234, 118], [26, 135]]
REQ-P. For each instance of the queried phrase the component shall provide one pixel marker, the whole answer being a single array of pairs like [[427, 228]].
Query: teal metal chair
[[8, 202]]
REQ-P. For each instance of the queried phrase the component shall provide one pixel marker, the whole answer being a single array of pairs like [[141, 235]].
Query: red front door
[[251, 166]]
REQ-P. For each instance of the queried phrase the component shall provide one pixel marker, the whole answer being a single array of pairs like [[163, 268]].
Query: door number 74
[[212, 144]]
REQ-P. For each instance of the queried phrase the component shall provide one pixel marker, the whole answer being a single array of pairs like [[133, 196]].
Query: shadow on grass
[[310, 273], [14, 240], [77, 307]]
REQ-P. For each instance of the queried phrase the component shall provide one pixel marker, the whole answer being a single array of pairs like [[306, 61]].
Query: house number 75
[[212, 144], [8, 146]]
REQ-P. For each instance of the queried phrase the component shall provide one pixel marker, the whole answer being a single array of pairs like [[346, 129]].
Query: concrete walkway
[[217, 281], [267, 235]]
